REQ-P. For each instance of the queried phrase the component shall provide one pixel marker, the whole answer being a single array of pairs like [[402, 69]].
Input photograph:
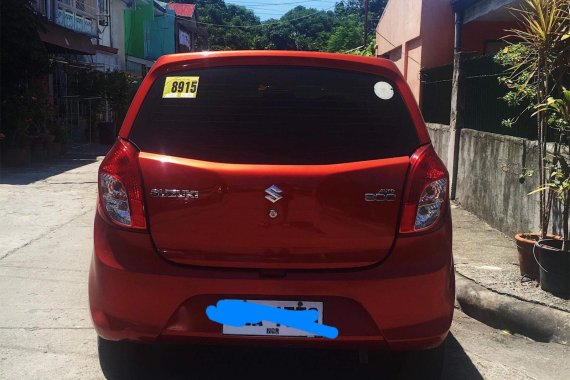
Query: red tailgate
[[321, 221]]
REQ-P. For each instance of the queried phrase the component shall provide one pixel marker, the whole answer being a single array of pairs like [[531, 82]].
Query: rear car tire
[[420, 364], [125, 360], [423, 364]]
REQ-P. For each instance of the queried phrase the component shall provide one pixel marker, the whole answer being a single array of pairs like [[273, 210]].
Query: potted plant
[[536, 66], [555, 253]]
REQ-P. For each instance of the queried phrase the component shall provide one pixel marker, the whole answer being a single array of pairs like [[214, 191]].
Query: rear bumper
[[404, 303]]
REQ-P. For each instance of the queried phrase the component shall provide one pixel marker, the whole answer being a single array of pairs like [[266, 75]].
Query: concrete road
[[45, 329]]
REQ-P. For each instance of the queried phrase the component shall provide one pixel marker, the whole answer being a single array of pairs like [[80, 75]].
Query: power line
[[265, 24], [387, 40], [253, 4], [356, 48]]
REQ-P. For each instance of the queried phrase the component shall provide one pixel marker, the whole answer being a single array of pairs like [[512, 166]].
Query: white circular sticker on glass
[[383, 90]]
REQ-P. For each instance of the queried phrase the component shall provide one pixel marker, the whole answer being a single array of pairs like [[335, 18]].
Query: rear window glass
[[274, 115]]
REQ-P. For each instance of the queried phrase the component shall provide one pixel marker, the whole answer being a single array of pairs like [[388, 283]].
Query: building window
[[40, 6]]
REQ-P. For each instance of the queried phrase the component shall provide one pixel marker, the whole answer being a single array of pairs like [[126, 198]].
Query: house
[[416, 34], [186, 29], [422, 34], [445, 50], [69, 25], [71, 35], [154, 28], [106, 35]]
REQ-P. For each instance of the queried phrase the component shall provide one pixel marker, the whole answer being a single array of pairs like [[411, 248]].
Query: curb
[[499, 311]]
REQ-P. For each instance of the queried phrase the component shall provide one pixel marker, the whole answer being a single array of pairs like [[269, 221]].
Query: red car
[[295, 181]]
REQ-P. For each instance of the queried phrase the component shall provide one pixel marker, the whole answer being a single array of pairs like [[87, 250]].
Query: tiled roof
[[182, 10]]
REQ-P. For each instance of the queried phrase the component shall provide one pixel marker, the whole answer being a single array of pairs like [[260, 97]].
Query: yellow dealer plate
[[181, 87]]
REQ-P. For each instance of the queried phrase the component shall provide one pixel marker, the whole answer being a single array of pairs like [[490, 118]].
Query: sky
[[267, 9]]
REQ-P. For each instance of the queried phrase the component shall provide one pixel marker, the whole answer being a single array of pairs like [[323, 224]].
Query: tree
[[231, 27], [24, 62], [299, 29], [356, 7], [228, 27], [345, 36]]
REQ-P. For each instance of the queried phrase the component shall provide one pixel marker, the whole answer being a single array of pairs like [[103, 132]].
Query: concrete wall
[[488, 183], [488, 180], [439, 134]]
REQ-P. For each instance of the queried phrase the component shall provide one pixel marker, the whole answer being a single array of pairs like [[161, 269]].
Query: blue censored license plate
[[269, 328]]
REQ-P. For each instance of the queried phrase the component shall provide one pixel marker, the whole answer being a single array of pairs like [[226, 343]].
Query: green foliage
[[346, 35], [232, 27], [367, 51], [538, 62], [537, 66], [522, 89], [299, 29], [559, 182], [559, 112], [23, 62], [227, 27], [118, 88]]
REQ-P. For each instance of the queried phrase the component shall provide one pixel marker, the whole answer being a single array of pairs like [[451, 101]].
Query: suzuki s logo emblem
[[273, 193]]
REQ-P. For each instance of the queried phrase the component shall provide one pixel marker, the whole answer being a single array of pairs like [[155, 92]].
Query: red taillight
[[427, 191], [120, 186]]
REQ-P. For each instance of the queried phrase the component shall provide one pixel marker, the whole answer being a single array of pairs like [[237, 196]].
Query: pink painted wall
[[437, 31], [413, 61], [416, 34], [398, 36], [476, 33], [399, 23]]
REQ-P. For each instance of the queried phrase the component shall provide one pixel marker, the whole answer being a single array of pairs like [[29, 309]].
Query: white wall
[[117, 30]]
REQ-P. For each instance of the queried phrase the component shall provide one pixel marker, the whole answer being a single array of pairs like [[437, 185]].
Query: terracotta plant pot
[[527, 262], [554, 267]]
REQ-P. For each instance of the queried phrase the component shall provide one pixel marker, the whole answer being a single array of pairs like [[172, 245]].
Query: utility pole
[[365, 23]]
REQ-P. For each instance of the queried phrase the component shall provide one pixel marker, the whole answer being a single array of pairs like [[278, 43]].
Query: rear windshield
[[274, 115]]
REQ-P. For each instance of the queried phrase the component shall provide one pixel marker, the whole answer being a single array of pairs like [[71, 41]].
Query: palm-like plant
[[559, 181], [537, 66]]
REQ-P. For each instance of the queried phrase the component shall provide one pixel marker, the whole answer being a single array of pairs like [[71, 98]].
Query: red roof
[[182, 10]]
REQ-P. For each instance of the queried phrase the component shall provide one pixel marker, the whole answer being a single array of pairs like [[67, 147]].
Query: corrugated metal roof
[[182, 10]]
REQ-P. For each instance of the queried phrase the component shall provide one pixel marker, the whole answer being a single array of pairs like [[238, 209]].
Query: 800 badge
[[181, 87]]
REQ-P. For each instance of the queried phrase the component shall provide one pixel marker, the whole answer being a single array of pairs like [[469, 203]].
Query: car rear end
[[293, 180]]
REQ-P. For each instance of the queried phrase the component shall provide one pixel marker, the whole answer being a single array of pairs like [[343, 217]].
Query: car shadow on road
[[176, 361], [457, 364], [77, 156]]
